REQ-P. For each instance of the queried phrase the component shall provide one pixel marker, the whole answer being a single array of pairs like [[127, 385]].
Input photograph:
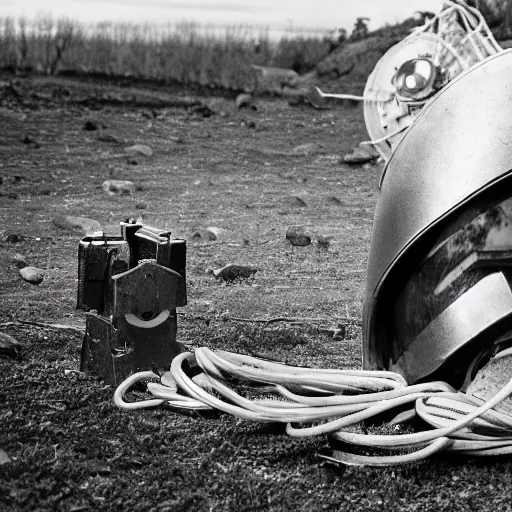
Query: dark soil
[[71, 448]]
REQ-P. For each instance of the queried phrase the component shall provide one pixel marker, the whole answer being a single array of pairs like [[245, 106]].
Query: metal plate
[[481, 307]]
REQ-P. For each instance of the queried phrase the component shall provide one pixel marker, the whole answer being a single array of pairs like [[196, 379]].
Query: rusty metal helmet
[[439, 281]]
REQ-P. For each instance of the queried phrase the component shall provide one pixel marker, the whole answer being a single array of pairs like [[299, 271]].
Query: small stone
[[140, 206], [335, 200], [202, 110], [297, 202], [13, 238], [243, 100], [323, 242], [313, 95], [216, 232], [30, 141], [370, 149], [328, 159], [231, 272], [251, 124], [340, 332], [295, 101], [132, 161], [19, 261], [310, 148], [361, 155], [297, 236], [108, 137], [203, 235], [9, 194], [9, 345], [90, 126], [139, 149], [32, 275], [119, 187], [70, 223], [4, 458]]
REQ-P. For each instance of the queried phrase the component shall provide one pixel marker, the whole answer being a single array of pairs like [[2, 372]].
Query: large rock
[[32, 275]]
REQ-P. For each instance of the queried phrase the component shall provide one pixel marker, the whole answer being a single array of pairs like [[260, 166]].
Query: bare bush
[[185, 52], [8, 52], [61, 42]]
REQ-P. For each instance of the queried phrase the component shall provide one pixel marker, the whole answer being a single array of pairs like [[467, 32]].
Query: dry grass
[[185, 53]]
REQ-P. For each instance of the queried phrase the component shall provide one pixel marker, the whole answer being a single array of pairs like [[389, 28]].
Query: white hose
[[347, 398]]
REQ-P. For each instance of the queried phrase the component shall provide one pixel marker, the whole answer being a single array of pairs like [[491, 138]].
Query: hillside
[[350, 64]]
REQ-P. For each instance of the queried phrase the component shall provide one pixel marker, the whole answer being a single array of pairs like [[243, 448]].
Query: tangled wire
[[322, 401]]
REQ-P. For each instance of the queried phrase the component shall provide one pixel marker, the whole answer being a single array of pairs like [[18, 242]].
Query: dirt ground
[[71, 449]]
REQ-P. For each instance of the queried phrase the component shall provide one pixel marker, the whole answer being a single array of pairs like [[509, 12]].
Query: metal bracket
[[131, 325]]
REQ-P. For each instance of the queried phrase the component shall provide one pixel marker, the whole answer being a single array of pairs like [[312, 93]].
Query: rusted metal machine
[[131, 286]]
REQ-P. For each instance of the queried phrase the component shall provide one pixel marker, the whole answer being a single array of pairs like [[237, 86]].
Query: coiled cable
[[316, 402]]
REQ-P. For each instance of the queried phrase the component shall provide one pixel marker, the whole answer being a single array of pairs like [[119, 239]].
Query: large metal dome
[[458, 151]]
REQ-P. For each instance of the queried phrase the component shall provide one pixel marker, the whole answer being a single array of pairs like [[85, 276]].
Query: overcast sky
[[278, 13]]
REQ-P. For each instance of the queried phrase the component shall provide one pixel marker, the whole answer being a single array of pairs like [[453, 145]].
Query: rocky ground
[[193, 163]]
